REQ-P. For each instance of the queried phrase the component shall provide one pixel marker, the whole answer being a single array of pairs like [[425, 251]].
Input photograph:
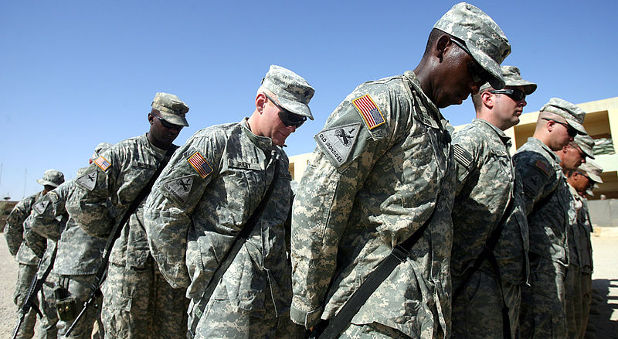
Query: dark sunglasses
[[169, 125], [288, 118], [478, 73], [572, 131], [513, 93]]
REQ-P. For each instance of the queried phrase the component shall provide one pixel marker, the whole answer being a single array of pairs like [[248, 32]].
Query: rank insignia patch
[[102, 163], [338, 141], [88, 180], [200, 164], [543, 167], [179, 188], [369, 111]]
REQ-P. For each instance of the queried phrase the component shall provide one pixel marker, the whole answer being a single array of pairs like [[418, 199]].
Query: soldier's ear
[[260, 102]]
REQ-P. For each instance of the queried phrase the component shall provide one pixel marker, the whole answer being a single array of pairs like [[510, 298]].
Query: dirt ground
[[603, 314]]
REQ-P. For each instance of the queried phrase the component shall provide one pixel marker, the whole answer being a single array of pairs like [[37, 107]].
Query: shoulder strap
[[339, 322], [240, 240]]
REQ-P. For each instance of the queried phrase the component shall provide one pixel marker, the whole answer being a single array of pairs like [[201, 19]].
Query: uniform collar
[[505, 138], [540, 144], [430, 112], [264, 143]]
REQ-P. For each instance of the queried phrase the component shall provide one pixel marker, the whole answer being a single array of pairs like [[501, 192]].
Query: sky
[[76, 73]]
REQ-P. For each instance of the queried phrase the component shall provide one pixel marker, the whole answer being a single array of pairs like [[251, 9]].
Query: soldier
[[363, 197], [27, 256], [547, 202], [485, 198], [591, 172], [49, 219], [228, 188], [100, 199]]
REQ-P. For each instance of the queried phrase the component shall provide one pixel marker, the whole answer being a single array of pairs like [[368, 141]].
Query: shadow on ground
[[600, 324]]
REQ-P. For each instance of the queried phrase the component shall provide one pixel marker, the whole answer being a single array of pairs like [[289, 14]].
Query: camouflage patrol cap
[[585, 143], [592, 170], [487, 43], [573, 115], [171, 108], [512, 78], [292, 91], [51, 177]]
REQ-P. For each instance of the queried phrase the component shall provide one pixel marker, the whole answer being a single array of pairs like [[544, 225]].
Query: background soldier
[[157, 310], [212, 190], [485, 199], [547, 202], [27, 256], [116, 177], [394, 177]]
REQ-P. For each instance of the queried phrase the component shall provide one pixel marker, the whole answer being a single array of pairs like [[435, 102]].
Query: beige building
[[601, 122]]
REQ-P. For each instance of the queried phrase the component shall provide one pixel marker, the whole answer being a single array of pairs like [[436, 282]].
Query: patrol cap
[[573, 115], [512, 78], [585, 143], [487, 43], [51, 177], [592, 171], [171, 108], [292, 91]]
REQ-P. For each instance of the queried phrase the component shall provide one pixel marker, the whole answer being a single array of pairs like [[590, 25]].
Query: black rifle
[[35, 285], [102, 270]]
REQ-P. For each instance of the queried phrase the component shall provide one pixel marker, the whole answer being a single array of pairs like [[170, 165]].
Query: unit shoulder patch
[[41, 206], [543, 166], [102, 163], [87, 180], [369, 111], [338, 141], [179, 188], [200, 164]]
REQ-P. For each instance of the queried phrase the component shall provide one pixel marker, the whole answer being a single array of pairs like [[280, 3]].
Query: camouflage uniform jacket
[[485, 186], [203, 199], [116, 177], [573, 228], [383, 166], [14, 232], [78, 252], [547, 200], [584, 244]]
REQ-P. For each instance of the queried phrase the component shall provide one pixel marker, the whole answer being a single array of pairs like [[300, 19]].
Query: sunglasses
[[168, 125], [513, 93], [288, 118], [478, 73], [572, 131]]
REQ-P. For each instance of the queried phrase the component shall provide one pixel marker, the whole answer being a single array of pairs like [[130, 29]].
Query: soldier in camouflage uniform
[[101, 197], [547, 203], [485, 188], [204, 198], [28, 256], [383, 168], [148, 306], [49, 219], [592, 172]]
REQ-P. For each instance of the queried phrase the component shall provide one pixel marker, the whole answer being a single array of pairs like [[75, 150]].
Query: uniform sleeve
[[534, 172], [168, 209], [326, 195], [14, 229], [89, 207], [466, 151]]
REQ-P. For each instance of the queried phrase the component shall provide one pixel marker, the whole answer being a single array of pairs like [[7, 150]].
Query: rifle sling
[[240, 240]]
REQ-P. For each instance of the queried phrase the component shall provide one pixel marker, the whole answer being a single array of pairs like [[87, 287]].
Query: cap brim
[[579, 127], [295, 107], [174, 119], [595, 178], [489, 64], [527, 86], [588, 154], [46, 183]]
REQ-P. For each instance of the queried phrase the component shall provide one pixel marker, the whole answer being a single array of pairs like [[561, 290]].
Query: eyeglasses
[[169, 125], [513, 93], [288, 118], [572, 131], [478, 73]]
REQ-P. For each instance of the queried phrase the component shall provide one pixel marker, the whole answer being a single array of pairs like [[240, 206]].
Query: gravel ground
[[603, 314]]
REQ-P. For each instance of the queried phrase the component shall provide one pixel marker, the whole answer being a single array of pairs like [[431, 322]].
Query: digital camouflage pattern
[[383, 167], [14, 232], [585, 245], [290, 89], [573, 115], [485, 186], [547, 203], [572, 284], [199, 204]]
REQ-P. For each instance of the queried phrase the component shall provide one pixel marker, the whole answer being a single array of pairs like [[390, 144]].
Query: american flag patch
[[369, 111], [102, 163], [200, 164]]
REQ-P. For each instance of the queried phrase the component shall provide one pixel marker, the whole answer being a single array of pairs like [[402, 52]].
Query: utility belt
[[66, 304]]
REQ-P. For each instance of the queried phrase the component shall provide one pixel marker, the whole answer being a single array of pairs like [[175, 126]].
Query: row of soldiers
[[399, 227]]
